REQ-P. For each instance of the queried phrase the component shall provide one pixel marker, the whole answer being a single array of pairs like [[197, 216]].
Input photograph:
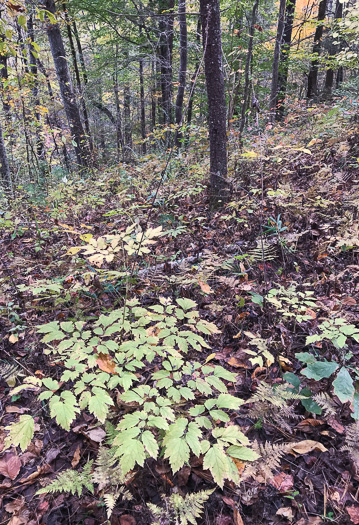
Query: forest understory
[[273, 275]]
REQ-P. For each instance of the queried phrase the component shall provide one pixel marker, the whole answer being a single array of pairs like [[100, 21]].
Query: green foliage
[[336, 331], [21, 433], [71, 481], [178, 510], [291, 303]]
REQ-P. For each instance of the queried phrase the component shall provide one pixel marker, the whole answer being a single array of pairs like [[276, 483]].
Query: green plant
[[178, 510], [291, 303], [336, 331]]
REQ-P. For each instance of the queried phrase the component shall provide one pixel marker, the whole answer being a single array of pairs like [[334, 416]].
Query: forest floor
[[301, 190]]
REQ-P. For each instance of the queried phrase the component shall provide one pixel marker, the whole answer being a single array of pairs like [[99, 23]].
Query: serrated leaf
[[217, 462], [150, 443], [216, 383], [67, 326], [186, 304], [229, 401], [220, 415], [192, 438], [21, 433], [133, 452], [64, 409], [99, 403], [177, 451], [242, 453]]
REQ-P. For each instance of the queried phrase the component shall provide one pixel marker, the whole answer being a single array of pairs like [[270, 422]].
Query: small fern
[[352, 441], [178, 510], [71, 481], [269, 461], [325, 402], [9, 372]]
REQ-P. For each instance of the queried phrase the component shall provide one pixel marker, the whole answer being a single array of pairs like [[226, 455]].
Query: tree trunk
[[313, 91], [275, 69], [194, 76], [212, 45], [127, 124], [4, 164], [248, 67], [142, 108], [66, 89], [333, 49], [183, 66], [165, 57], [284, 58], [77, 76], [40, 147], [153, 96]]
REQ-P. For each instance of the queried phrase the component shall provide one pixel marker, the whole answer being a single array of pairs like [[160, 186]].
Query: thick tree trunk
[[183, 66], [275, 68], [4, 164], [66, 89], [284, 58], [247, 83], [333, 49], [165, 57], [212, 45], [313, 91]]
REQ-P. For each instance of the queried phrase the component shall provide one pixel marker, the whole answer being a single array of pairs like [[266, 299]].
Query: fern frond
[[276, 395], [9, 372], [267, 252], [178, 510], [269, 461], [352, 441], [325, 402], [108, 472], [71, 481]]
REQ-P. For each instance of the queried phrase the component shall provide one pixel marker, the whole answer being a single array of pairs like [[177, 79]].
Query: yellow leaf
[[86, 237], [13, 338], [74, 250], [237, 335], [85, 226], [210, 357]]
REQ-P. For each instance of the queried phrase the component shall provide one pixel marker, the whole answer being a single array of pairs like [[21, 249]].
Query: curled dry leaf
[[10, 466], [353, 512], [306, 446], [282, 481], [285, 512]]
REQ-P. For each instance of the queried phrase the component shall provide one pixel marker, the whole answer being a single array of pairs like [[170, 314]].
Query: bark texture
[[313, 91], [212, 45], [165, 58], [4, 164], [284, 58], [183, 65], [66, 89], [275, 69]]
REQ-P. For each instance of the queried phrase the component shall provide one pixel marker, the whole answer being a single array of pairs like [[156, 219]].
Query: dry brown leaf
[[76, 458], [282, 481], [13, 338], [353, 512], [306, 446], [106, 364], [233, 361], [10, 466], [204, 287], [349, 301], [313, 520], [126, 519], [16, 410], [286, 512], [97, 434], [15, 505]]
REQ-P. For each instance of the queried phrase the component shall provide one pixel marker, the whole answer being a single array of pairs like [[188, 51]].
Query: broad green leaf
[[355, 414], [217, 462], [221, 372], [177, 451], [53, 336], [217, 383], [305, 357], [229, 401], [64, 409], [292, 379], [133, 452], [186, 304], [320, 370], [231, 434], [243, 453], [130, 420], [51, 384], [99, 403], [21, 433], [68, 326], [343, 386], [158, 422], [150, 443], [49, 327], [192, 437], [219, 414]]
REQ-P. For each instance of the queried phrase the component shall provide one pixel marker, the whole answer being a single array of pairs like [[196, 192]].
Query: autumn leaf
[[106, 364], [204, 286]]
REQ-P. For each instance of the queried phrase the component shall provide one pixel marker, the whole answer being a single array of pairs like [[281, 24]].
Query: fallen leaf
[[286, 512], [13, 338], [234, 361], [306, 446], [126, 519], [336, 425], [16, 410], [229, 501], [10, 466], [282, 481], [310, 423], [74, 250], [353, 512], [204, 287], [314, 520], [15, 505], [97, 434], [349, 301], [76, 458], [237, 518], [106, 364]]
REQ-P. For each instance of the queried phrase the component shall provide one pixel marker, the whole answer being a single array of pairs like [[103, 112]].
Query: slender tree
[[284, 58], [4, 164], [333, 49], [183, 65], [165, 57], [212, 45], [66, 89], [276, 57], [312, 90], [247, 82]]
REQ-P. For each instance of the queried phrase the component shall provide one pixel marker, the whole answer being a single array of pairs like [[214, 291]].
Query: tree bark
[[333, 49], [127, 125], [142, 108], [4, 164], [212, 45], [66, 89], [276, 57], [313, 91], [284, 58], [248, 67], [194, 76], [165, 57], [183, 66]]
